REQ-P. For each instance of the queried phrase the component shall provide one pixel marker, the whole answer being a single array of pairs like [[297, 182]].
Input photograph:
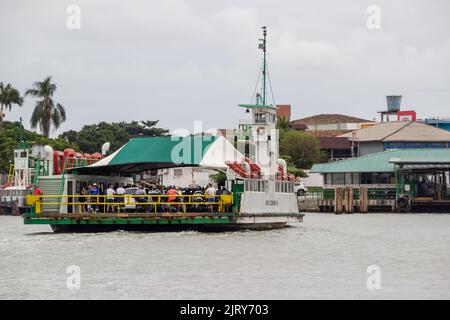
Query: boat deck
[[76, 222]]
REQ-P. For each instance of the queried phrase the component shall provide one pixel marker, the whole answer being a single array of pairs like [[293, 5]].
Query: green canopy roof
[[384, 161], [141, 154]]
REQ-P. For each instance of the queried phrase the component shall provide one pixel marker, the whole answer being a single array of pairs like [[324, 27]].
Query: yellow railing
[[11, 174], [119, 203]]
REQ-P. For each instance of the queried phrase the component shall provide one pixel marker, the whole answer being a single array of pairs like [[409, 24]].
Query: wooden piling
[[363, 199], [348, 200], [338, 203]]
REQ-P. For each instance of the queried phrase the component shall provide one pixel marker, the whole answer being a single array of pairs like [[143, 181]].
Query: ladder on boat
[[10, 180]]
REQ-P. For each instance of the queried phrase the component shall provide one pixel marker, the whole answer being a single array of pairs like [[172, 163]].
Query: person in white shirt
[[211, 196], [120, 191], [110, 192]]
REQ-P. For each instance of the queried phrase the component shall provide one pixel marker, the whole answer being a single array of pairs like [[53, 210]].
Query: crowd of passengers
[[120, 198]]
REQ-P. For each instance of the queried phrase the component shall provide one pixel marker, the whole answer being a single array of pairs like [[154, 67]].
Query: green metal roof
[[384, 161], [159, 150], [141, 154]]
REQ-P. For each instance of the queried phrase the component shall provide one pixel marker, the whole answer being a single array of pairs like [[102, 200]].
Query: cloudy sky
[[178, 61]]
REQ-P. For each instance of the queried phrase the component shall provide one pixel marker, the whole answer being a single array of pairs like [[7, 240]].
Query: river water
[[327, 257]]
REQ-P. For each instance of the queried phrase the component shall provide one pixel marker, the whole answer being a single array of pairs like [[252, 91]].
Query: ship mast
[[259, 132], [262, 46], [260, 99]]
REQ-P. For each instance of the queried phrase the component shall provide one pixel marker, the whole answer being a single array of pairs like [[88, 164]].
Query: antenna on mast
[[263, 45], [22, 142], [261, 86]]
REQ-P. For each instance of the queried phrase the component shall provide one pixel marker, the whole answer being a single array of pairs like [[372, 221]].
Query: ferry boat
[[261, 192]]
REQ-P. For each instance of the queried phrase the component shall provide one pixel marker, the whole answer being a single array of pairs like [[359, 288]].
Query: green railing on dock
[[372, 193], [328, 194]]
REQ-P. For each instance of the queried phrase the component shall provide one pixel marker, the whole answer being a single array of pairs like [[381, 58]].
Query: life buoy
[[261, 131]]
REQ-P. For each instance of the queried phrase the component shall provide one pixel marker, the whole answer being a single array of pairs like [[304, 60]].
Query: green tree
[[302, 148], [47, 112], [91, 137], [292, 166], [8, 96], [220, 178], [283, 123]]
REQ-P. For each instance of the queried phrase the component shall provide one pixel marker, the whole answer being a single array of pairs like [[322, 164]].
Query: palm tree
[[8, 96], [46, 113], [283, 123]]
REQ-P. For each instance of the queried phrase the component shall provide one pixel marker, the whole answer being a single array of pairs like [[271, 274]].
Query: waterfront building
[[398, 135], [332, 122], [327, 128], [402, 180], [443, 123]]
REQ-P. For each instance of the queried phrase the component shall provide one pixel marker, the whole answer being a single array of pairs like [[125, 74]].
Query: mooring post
[[338, 200], [349, 200], [363, 199]]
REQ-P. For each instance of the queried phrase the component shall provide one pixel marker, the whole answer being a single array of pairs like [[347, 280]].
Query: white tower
[[262, 135]]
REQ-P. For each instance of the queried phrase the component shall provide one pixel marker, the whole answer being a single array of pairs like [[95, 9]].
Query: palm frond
[[47, 112]]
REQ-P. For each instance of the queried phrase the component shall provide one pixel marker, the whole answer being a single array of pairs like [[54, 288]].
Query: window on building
[[177, 173], [376, 178], [338, 178], [348, 178], [328, 178], [355, 178]]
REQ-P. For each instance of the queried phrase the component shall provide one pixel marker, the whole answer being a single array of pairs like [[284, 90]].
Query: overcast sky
[[178, 61]]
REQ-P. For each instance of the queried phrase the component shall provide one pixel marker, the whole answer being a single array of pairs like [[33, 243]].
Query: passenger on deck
[[210, 196], [93, 192], [120, 192], [110, 192], [224, 204], [140, 192], [172, 192], [82, 199], [156, 192]]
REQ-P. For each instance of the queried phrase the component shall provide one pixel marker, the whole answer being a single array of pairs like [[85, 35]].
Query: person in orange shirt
[[172, 192]]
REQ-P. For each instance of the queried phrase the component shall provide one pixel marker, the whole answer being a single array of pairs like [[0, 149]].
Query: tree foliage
[[91, 137], [8, 96], [302, 148], [283, 123], [220, 178], [292, 166], [47, 113]]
